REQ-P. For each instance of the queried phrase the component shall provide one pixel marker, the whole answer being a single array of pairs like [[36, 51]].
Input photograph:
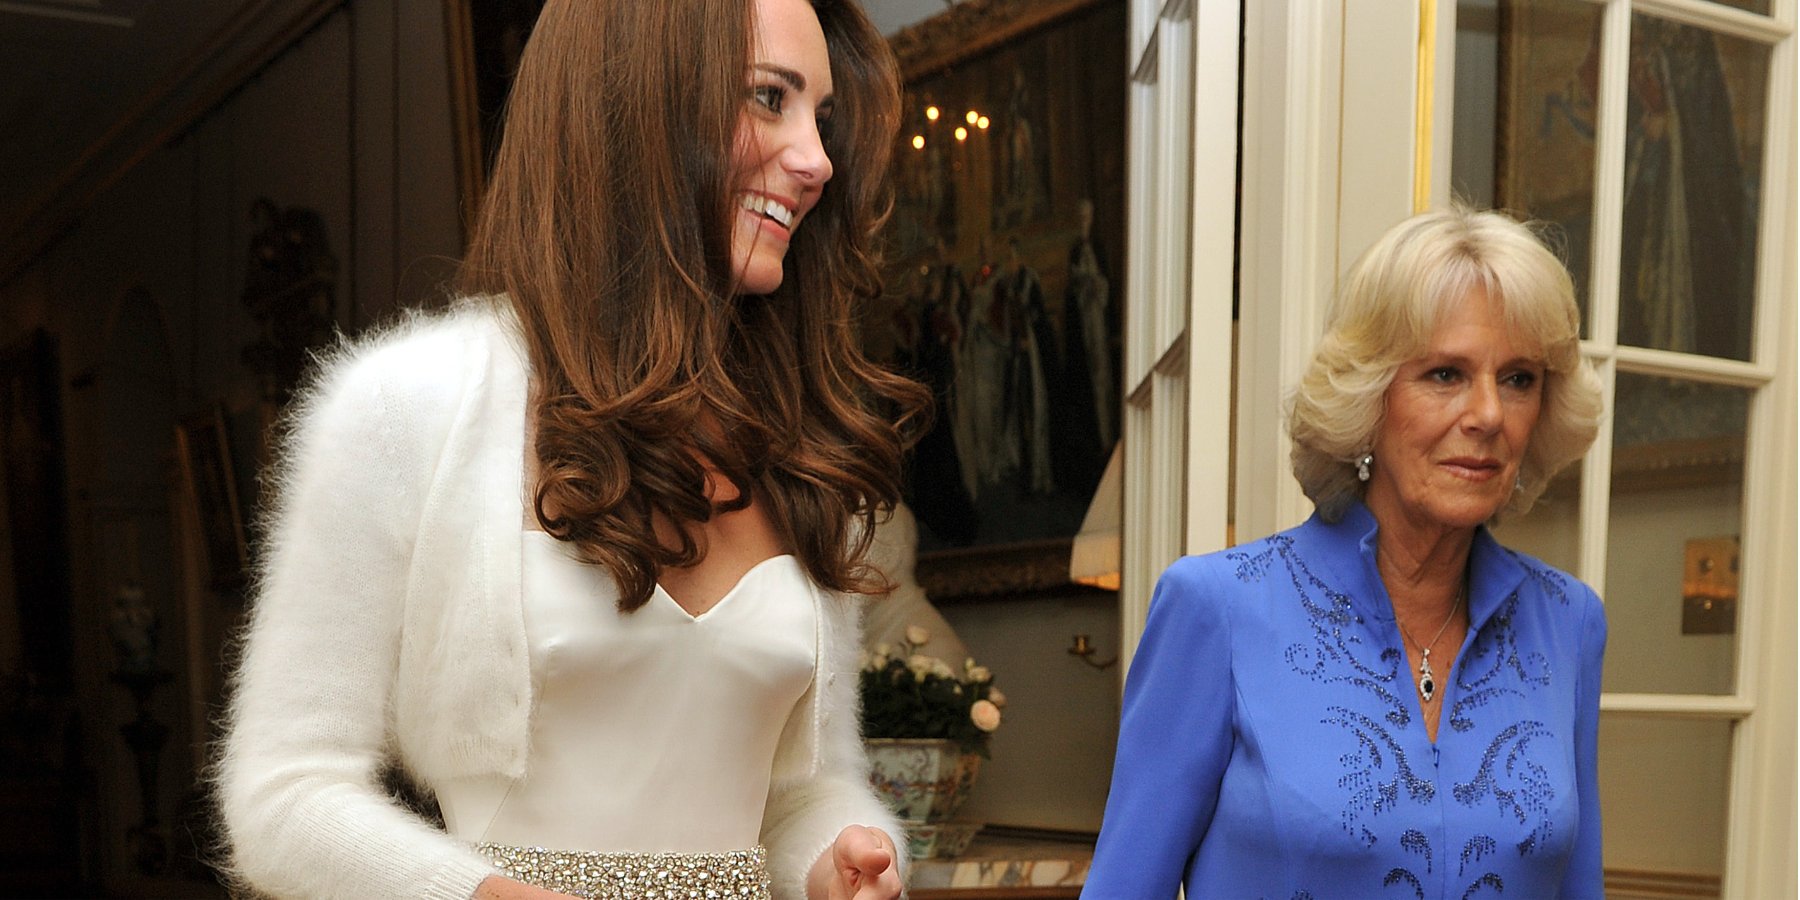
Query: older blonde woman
[[1385, 702]]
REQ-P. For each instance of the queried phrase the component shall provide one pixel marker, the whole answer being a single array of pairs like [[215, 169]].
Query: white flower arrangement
[[908, 694]]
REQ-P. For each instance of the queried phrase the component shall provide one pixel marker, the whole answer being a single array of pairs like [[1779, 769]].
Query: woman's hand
[[862, 864], [495, 887]]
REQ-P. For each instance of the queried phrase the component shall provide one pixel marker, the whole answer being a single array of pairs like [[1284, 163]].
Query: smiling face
[[779, 161], [1458, 420]]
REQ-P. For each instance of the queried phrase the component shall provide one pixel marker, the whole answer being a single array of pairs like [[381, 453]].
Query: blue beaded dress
[[1272, 745]]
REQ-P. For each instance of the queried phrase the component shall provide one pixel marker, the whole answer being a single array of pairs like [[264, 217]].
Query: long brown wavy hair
[[606, 227]]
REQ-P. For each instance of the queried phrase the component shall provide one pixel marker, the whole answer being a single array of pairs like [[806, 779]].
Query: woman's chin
[[1466, 512], [1447, 508], [759, 277]]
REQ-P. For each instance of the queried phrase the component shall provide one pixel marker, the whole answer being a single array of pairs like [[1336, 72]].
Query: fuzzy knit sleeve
[[308, 724], [807, 808]]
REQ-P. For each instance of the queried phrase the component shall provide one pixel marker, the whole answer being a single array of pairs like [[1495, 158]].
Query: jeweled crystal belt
[[732, 875]]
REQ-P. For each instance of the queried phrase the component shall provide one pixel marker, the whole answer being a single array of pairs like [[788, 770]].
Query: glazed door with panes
[[1656, 139]]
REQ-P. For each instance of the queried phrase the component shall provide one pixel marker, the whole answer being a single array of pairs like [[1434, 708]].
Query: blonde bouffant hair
[[1384, 314]]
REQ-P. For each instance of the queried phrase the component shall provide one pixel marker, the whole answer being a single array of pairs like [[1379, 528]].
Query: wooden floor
[[1643, 884]]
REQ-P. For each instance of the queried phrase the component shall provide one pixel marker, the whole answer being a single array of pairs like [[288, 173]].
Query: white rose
[[985, 715], [942, 669], [917, 635], [920, 664], [979, 674], [998, 698]]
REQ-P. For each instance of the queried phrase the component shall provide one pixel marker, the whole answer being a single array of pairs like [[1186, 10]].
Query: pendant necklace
[[1427, 678]]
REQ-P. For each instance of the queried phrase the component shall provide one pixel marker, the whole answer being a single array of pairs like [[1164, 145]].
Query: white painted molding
[[1761, 833], [1142, 18], [1169, 470], [1161, 142], [1136, 579], [1603, 289], [1138, 283], [1710, 369], [1718, 17], [1676, 706], [1213, 215], [1175, 135], [1292, 55]]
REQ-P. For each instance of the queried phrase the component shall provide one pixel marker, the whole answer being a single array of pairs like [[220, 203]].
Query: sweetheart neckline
[[659, 590]]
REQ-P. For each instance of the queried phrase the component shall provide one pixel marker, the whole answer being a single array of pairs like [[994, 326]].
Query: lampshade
[[1094, 559]]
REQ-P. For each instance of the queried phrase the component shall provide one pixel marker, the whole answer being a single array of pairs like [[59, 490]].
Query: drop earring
[[1362, 466]]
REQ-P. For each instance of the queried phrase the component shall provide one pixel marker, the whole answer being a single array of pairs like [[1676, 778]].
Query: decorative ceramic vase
[[925, 840], [925, 781]]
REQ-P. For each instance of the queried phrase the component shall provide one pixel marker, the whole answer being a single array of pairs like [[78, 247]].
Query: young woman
[[580, 553]]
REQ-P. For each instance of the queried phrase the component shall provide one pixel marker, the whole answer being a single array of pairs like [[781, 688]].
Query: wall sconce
[[1083, 648]]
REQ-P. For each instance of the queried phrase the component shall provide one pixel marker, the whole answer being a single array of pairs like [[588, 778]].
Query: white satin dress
[[654, 731]]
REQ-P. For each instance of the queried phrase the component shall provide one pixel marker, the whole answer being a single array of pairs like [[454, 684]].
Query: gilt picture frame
[[1004, 282], [209, 483]]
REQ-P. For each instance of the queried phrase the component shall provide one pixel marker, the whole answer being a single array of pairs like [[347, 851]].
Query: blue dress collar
[[1346, 548]]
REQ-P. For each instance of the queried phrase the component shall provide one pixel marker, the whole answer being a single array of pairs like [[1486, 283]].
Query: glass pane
[[1693, 166], [1548, 59], [1662, 795], [1677, 511], [1551, 531], [1477, 82]]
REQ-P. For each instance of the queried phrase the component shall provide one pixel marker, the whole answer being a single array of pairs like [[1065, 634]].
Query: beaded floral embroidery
[[1377, 776]]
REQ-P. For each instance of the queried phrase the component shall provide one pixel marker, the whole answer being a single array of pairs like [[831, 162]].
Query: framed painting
[[1695, 108], [1003, 282]]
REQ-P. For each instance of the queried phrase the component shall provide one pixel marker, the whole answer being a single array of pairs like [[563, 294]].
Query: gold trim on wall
[[971, 28], [465, 112], [1423, 100], [208, 479], [1008, 571]]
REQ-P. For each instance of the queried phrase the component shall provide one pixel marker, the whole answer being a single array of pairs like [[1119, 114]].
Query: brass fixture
[[1085, 649]]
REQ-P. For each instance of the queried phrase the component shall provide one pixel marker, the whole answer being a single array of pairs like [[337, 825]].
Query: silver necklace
[[1427, 678]]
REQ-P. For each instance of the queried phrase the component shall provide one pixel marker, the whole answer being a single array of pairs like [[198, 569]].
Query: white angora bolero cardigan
[[388, 627]]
